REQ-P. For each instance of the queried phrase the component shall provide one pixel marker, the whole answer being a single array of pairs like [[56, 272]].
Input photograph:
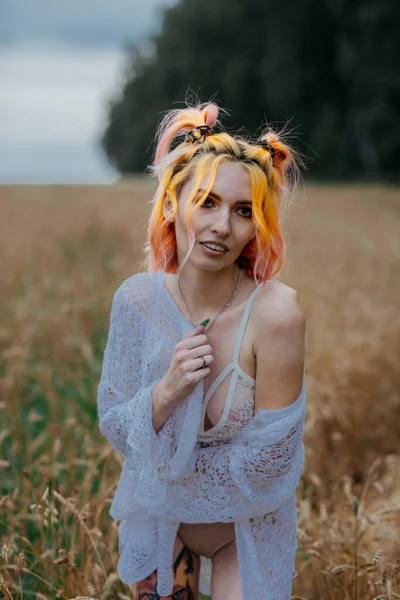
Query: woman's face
[[225, 217]]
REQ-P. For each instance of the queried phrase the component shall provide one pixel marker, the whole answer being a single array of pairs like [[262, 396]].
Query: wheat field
[[65, 250]]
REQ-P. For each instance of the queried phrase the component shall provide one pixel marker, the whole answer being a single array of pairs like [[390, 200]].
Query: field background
[[65, 250]]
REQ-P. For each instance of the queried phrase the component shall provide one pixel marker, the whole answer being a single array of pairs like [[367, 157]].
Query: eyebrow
[[218, 197]]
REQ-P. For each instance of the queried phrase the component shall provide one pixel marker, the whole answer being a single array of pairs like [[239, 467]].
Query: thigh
[[186, 572], [225, 576]]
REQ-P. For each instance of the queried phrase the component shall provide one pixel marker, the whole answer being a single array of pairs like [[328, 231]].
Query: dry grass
[[64, 251]]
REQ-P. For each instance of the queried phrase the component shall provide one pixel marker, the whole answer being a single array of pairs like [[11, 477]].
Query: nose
[[221, 222]]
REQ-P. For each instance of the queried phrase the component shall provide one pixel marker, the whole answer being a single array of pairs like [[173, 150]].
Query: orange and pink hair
[[177, 161]]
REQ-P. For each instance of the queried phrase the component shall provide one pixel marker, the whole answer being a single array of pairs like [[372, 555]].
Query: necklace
[[222, 309]]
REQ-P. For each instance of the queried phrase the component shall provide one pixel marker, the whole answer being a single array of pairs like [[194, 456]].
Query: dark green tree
[[326, 67]]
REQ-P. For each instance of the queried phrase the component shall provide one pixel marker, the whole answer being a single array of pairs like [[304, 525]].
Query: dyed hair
[[272, 172]]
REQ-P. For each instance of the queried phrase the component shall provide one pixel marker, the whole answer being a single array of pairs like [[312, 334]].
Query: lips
[[216, 244]]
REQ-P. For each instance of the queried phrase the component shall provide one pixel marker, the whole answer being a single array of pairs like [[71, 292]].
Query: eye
[[248, 212], [208, 199]]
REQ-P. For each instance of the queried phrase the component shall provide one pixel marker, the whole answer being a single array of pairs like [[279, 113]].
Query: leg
[[186, 571], [225, 576]]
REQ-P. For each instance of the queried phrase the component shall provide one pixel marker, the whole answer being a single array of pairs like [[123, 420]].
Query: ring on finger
[[203, 366]]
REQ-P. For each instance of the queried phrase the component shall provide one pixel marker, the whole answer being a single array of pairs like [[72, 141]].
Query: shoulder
[[277, 308]]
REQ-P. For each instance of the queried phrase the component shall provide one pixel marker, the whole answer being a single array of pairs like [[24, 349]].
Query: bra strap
[[243, 324], [244, 320]]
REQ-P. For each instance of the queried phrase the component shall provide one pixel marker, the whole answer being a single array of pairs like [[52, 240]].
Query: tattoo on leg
[[185, 582]]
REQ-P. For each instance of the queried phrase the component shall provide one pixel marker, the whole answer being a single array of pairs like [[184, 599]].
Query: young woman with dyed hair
[[214, 245]]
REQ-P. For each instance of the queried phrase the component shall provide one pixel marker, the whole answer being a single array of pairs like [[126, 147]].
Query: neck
[[206, 292]]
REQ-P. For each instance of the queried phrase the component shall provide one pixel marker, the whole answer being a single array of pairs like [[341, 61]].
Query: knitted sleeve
[[124, 405]]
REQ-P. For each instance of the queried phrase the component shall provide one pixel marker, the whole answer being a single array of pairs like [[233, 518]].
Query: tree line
[[326, 68]]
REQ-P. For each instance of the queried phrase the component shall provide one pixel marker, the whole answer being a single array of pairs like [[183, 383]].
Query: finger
[[200, 374], [201, 350], [199, 329], [195, 342], [197, 363]]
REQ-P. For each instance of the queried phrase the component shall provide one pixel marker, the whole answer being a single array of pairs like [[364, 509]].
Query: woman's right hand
[[185, 369]]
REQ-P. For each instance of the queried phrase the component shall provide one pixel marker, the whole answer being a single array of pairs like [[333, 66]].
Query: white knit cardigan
[[167, 478]]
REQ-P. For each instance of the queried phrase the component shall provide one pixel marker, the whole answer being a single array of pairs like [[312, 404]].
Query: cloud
[[59, 65], [55, 94], [79, 22], [53, 103]]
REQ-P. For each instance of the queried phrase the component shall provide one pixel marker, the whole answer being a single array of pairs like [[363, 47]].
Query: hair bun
[[210, 112], [178, 121]]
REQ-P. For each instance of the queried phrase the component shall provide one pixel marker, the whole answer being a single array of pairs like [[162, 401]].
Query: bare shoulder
[[279, 345], [277, 307]]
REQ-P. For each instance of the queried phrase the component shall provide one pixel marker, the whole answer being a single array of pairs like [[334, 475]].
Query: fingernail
[[204, 323]]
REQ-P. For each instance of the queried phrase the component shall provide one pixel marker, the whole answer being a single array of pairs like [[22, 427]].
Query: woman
[[214, 242]]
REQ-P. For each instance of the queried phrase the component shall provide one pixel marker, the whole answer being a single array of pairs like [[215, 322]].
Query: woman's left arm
[[279, 349]]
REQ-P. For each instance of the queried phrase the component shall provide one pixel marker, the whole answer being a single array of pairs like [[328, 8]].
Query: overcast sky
[[59, 63]]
